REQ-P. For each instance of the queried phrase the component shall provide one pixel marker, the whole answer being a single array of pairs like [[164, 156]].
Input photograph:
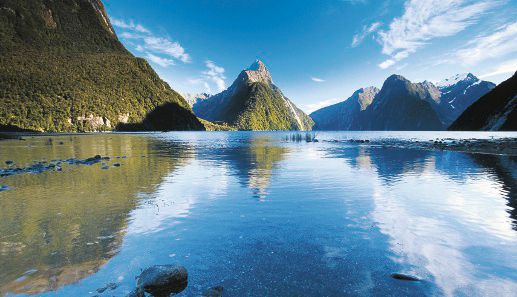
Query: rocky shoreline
[[499, 146]]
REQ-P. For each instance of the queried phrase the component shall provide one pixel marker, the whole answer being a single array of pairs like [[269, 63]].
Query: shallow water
[[259, 215]]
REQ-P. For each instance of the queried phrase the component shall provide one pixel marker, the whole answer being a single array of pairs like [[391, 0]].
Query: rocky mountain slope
[[64, 69], [400, 105], [344, 115], [457, 94], [253, 102], [495, 111]]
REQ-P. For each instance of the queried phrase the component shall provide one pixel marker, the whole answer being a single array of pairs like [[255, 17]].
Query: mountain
[[64, 69], [457, 94], [495, 111], [344, 115], [253, 102], [193, 99], [401, 105]]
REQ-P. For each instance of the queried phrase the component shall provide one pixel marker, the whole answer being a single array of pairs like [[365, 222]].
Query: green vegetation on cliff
[[264, 108], [253, 102], [64, 69]]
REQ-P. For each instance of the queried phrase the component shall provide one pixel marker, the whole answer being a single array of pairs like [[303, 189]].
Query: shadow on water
[[60, 227], [504, 169]]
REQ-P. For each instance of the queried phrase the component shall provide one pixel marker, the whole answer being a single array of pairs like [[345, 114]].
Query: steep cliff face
[[253, 102], [495, 111], [64, 69]]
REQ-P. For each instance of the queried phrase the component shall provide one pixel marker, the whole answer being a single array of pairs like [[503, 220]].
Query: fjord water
[[259, 215]]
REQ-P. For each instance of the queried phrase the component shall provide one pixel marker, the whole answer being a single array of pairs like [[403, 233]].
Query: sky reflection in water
[[260, 216]]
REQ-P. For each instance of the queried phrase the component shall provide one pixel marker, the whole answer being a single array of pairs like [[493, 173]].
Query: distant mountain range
[[193, 99], [253, 102], [495, 111], [403, 105], [64, 69]]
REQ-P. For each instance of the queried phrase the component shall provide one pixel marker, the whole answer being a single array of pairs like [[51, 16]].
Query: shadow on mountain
[[13, 128], [60, 227], [167, 117]]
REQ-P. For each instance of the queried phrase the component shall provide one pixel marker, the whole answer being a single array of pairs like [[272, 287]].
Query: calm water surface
[[259, 216]]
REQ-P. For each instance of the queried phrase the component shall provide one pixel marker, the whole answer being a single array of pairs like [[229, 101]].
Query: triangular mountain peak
[[258, 72]]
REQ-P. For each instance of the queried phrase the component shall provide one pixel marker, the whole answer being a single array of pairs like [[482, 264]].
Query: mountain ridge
[[461, 89]]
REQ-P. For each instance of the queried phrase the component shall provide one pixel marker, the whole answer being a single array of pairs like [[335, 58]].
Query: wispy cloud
[[129, 25], [214, 74], [367, 30], [496, 44], [317, 79], [158, 50], [164, 62], [508, 67], [309, 108], [424, 20], [204, 83]]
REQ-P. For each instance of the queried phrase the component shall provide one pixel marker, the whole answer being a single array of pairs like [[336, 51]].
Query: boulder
[[405, 277], [214, 292], [162, 280]]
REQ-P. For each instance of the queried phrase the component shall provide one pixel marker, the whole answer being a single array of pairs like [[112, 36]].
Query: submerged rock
[[405, 277], [161, 281], [216, 291], [111, 286], [9, 162], [3, 188]]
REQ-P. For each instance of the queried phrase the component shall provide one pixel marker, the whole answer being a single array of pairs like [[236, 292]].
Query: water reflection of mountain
[[252, 162], [504, 169], [59, 227], [389, 163], [446, 214]]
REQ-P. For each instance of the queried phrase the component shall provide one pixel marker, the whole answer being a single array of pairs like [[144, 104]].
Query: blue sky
[[319, 51]]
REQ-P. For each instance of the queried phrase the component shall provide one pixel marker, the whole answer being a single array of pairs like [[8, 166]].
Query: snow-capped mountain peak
[[456, 79]]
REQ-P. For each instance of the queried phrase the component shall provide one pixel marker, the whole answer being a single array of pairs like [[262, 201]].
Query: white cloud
[[166, 47], [424, 20], [508, 67], [214, 74], [309, 108], [203, 82], [497, 44], [386, 64], [159, 50], [367, 30], [130, 26], [164, 62], [316, 79]]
